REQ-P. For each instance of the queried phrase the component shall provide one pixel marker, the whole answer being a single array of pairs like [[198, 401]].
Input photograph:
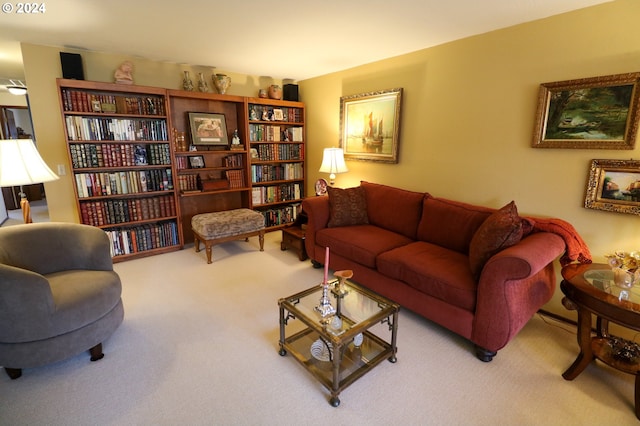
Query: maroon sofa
[[481, 273]]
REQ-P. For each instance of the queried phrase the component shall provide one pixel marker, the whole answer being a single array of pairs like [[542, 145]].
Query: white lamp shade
[[333, 161], [21, 164]]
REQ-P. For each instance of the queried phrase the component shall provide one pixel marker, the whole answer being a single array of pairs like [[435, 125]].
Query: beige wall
[[467, 117]]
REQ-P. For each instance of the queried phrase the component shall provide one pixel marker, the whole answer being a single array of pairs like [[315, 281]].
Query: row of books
[[118, 155], [271, 133], [128, 240], [270, 113], [272, 172], [280, 216], [123, 182], [193, 182], [113, 212], [115, 129], [278, 151], [82, 101], [274, 194], [234, 160]]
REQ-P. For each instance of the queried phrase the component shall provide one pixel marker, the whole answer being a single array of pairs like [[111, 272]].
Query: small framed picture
[[96, 106], [278, 115], [208, 129], [614, 186], [196, 161]]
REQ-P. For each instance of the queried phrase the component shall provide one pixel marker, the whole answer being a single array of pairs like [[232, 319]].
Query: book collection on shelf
[[281, 215], [80, 128], [124, 182], [273, 172], [275, 113], [279, 152], [83, 101], [86, 155], [274, 133], [113, 212], [276, 194], [140, 238]]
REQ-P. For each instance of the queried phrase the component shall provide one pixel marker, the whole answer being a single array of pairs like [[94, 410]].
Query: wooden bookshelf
[[276, 132], [210, 178], [118, 141]]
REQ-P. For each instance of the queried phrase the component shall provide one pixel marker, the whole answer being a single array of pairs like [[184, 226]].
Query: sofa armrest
[[317, 210], [25, 298], [513, 285]]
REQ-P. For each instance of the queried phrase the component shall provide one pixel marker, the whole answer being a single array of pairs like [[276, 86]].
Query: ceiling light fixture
[[17, 90]]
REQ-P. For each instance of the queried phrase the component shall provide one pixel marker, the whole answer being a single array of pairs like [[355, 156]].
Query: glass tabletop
[[355, 307], [602, 279]]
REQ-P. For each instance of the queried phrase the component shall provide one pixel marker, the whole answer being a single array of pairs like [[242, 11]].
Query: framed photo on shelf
[[208, 129], [278, 115], [614, 186], [599, 112], [196, 161], [370, 125]]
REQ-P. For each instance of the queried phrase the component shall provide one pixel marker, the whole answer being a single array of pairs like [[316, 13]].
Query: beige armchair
[[59, 294]]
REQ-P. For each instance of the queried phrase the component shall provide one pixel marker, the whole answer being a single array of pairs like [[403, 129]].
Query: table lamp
[[333, 163], [21, 164]]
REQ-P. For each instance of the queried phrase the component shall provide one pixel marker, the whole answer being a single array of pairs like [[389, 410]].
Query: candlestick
[[326, 265]]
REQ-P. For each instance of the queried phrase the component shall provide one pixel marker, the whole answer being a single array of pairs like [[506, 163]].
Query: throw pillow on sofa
[[500, 230], [347, 207]]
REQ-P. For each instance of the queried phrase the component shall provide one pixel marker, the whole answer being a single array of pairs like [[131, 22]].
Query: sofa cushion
[[502, 229], [361, 244], [433, 270], [450, 224], [395, 209], [347, 207]]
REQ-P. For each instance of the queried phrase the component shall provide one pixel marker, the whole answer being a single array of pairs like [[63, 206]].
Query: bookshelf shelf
[[120, 155]]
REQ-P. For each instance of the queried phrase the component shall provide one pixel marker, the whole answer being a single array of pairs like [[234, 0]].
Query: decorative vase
[[187, 84], [624, 280], [262, 93], [275, 91], [221, 82], [202, 83]]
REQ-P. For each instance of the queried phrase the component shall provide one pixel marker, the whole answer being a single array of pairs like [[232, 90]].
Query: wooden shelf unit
[[118, 141], [203, 189], [276, 132]]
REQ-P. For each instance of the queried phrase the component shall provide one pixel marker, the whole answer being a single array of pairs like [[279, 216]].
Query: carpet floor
[[199, 346]]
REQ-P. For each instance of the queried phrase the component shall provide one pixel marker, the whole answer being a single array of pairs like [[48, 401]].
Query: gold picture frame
[[614, 186], [589, 113], [370, 125]]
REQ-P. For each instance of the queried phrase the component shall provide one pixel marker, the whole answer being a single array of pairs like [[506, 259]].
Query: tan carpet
[[199, 346]]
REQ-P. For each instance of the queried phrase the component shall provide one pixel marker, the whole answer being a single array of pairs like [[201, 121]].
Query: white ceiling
[[277, 38]]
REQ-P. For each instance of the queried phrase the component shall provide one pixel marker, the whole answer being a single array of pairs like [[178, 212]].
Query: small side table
[[293, 238], [590, 289]]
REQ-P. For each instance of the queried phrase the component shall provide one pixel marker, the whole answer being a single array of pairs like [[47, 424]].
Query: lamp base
[[26, 208]]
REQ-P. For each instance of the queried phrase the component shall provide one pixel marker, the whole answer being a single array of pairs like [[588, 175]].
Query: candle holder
[[324, 308]]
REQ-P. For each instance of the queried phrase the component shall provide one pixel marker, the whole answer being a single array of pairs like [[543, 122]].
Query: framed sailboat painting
[[370, 125]]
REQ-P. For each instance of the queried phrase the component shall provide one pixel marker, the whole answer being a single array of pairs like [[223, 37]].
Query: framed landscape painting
[[614, 185], [370, 125], [600, 113]]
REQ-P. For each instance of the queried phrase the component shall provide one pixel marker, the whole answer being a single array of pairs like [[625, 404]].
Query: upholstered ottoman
[[219, 227]]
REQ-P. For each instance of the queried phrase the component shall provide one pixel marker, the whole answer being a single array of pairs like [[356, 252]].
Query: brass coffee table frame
[[347, 362]]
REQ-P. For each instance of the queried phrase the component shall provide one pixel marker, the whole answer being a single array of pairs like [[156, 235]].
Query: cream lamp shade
[[21, 164], [333, 163]]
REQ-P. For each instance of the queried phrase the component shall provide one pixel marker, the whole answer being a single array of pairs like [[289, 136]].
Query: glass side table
[[338, 349], [590, 289]]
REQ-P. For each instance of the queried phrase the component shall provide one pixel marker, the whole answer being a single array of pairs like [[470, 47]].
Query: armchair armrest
[[513, 285], [25, 298]]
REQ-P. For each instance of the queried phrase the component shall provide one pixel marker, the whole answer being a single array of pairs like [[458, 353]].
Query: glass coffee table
[[339, 348]]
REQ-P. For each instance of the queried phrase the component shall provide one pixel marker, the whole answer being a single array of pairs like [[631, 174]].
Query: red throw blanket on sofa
[[577, 249]]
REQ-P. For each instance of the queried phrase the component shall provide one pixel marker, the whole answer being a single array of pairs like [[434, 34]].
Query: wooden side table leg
[[584, 341], [637, 396]]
